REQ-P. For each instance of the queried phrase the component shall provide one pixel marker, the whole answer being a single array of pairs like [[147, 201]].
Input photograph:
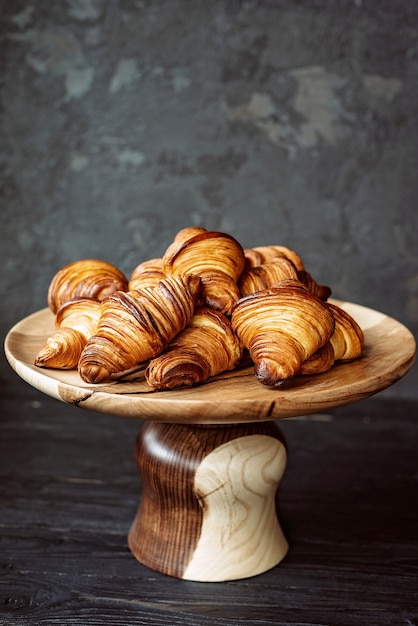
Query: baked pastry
[[345, 344], [216, 257], [146, 274], [266, 275], [320, 362], [263, 254], [195, 250], [260, 274], [282, 327], [76, 321], [219, 291], [136, 326], [172, 316], [347, 339], [206, 347], [87, 278]]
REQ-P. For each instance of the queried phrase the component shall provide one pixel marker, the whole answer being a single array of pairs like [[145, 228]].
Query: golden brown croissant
[[87, 278], [76, 321], [216, 257], [263, 254], [196, 249], [219, 291], [266, 275], [345, 344], [146, 274], [136, 326], [206, 347], [281, 327], [347, 339], [320, 362]]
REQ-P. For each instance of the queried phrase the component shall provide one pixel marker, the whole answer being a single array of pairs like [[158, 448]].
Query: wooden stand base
[[208, 509]]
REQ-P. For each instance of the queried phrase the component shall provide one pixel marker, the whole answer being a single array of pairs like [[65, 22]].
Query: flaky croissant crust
[[136, 326], [219, 291], [266, 265], [345, 344], [263, 254], [216, 257], [87, 278], [281, 327], [347, 339], [196, 251], [206, 347], [147, 274], [75, 321], [266, 275]]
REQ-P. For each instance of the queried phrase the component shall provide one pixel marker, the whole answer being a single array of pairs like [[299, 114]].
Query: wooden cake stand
[[211, 457]]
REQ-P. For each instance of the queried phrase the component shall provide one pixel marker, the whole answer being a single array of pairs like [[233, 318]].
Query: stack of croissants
[[205, 307]]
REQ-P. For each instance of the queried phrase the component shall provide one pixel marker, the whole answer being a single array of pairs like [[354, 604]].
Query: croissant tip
[[53, 358], [41, 361], [271, 374], [93, 374]]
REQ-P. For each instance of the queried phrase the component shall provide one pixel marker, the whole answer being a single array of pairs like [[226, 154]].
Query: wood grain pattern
[[241, 535], [233, 397], [208, 509]]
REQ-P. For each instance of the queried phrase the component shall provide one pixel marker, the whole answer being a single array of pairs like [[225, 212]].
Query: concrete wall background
[[290, 122]]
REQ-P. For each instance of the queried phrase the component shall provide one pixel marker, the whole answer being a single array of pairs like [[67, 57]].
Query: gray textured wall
[[290, 122]]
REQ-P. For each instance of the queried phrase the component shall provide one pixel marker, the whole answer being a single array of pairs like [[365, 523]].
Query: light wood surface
[[233, 397]]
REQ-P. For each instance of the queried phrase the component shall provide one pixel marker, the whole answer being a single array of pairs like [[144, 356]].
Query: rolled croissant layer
[[216, 257], [76, 321], [264, 254], [146, 274], [347, 339], [266, 275], [282, 327], [206, 347], [136, 326], [345, 344], [86, 278]]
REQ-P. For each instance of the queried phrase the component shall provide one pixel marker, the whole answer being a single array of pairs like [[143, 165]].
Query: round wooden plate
[[233, 397]]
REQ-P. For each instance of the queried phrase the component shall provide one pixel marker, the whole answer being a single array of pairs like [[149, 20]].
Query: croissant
[[320, 362], [263, 254], [216, 257], [136, 326], [346, 343], [347, 339], [282, 327], [87, 278], [219, 291], [195, 250], [146, 274], [76, 321], [206, 347], [266, 275]]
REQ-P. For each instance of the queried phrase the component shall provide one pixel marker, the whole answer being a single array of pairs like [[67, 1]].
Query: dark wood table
[[70, 490]]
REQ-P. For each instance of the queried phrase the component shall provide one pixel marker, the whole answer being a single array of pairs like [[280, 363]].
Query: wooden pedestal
[[211, 457], [208, 508]]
